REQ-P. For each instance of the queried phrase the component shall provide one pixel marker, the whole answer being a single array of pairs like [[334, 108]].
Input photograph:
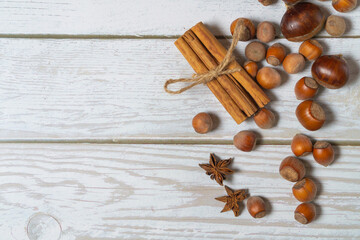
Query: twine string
[[220, 70]]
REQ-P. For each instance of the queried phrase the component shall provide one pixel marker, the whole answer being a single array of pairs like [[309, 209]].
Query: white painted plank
[[140, 17], [159, 192], [113, 89]]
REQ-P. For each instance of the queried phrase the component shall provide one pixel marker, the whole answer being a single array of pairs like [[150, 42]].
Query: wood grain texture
[[139, 17], [113, 89], [159, 192]]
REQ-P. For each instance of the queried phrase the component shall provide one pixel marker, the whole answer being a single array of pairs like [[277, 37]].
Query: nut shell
[[311, 115], [323, 153], [305, 213], [256, 207], [306, 88], [302, 21], [301, 145], [305, 190], [331, 71], [292, 169]]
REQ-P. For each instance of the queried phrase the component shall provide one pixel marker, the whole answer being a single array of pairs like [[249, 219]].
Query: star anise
[[232, 200], [217, 169]]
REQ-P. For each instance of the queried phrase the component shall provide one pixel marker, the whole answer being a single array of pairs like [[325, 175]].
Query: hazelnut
[[275, 54], [306, 88], [311, 49], [311, 115], [256, 207], [266, 32], [202, 123], [301, 145], [245, 141], [335, 26], [344, 5], [268, 78], [294, 63], [305, 213], [255, 51], [247, 28], [265, 118], [292, 169], [251, 68], [305, 190], [266, 2], [323, 153]]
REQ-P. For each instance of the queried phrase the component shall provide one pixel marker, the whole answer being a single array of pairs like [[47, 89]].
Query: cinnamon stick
[[218, 51], [231, 107], [236, 92]]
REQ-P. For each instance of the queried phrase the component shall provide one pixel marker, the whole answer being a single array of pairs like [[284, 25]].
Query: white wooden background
[[90, 141]]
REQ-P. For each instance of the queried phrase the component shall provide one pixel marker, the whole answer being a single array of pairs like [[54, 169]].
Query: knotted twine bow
[[204, 78]]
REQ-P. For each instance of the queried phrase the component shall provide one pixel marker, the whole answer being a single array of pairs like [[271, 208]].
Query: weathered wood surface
[[113, 89], [159, 192], [139, 17]]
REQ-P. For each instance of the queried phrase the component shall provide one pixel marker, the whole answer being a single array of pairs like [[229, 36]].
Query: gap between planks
[[85, 36], [164, 141]]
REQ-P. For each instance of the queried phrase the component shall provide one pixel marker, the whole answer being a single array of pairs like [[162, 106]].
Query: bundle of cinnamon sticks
[[237, 92]]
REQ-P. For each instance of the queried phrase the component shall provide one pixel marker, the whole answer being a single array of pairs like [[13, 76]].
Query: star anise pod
[[217, 169], [232, 200]]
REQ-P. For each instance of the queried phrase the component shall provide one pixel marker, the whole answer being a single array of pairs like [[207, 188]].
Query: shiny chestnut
[[302, 21], [306, 88], [311, 115], [331, 71]]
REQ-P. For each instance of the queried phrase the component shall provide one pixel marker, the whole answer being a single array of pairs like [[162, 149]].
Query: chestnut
[[268, 78], [306, 88], [305, 213], [256, 207], [302, 21], [251, 68], [301, 145], [305, 190], [247, 31], [330, 71], [344, 5], [335, 26], [202, 123], [292, 169], [323, 153], [245, 141], [265, 118], [275, 54], [294, 63], [311, 115], [265, 32], [311, 49], [255, 51]]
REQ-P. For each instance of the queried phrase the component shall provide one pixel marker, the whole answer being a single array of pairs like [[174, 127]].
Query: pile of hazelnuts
[[293, 170]]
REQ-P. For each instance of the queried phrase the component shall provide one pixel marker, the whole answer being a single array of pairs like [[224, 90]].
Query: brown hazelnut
[[251, 68], [268, 77], [305, 190], [245, 141], [306, 88], [323, 153], [265, 118], [335, 26], [311, 49], [202, 123], [275, 54], [292, 169], [255, 51], [266, 32], [305, 213], [294, 63], [247, 30], [311, 115], [256, 207], [301, 145], [344, 5]]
